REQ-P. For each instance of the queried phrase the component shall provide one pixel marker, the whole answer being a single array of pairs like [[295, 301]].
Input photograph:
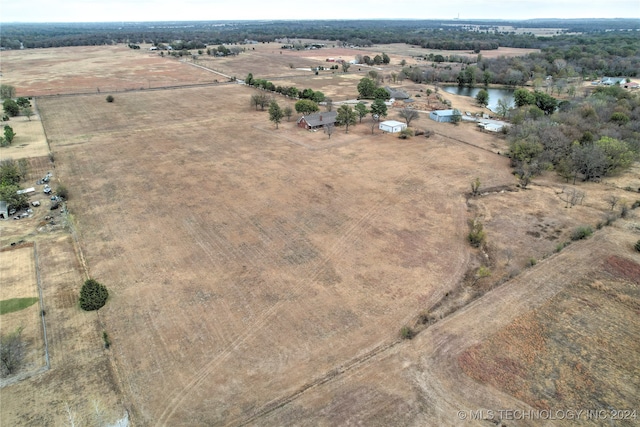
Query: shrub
[[477, 235], [110, 98], [11, 108], [406, 333], [581, 233], [93, 295], [106, 340], [532, 261], [637, 246], [62, 192], [424, 318], [405, 133], [475, 186], [624, 209], [23, 102], [609, 219]]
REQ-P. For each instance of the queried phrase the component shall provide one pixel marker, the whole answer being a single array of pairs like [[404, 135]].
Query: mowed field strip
[[244, 266]]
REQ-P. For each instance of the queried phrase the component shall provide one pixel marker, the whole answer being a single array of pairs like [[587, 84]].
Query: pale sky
[[205, 10]]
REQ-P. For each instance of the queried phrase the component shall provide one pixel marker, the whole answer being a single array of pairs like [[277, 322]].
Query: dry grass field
[[29, 142], [260, 276], [38, 72], [18, 274]]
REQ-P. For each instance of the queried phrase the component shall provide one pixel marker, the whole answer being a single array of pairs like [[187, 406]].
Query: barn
[[317, 120], [392, 126], [443, 115]]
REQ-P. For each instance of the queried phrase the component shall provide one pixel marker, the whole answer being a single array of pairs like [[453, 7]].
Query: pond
[[494, 94]]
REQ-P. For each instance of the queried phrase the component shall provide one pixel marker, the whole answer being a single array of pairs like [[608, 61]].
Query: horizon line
[[458, 20]]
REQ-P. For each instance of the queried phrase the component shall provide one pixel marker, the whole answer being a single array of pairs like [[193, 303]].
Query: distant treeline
[[433, 34], [602, 47]]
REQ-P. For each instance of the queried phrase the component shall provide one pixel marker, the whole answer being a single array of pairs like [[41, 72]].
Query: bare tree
[[11, 352], [571, 197], [99, 413], [260, 100], [328, 104], [508, 254], [374, 122], [612, 200], [71, 415], [27, 111], [329, 128], [409, 114]]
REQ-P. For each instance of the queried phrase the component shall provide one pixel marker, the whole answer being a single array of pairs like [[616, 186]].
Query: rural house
[[317, 120], [392, 126], [396, 93], [443, 115], [611, 81]]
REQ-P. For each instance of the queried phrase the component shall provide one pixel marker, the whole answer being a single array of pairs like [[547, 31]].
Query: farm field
[[260, 276], [253, 262], [39, 72]]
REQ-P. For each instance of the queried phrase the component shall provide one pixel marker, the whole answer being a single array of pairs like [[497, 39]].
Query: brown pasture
[[260, 276], [104, 69]]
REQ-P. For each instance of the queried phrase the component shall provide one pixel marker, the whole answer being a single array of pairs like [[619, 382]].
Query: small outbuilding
[[444, 115], [392, 126], [491, 127]]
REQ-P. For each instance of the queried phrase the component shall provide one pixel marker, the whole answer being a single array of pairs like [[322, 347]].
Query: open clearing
[[260, 276]]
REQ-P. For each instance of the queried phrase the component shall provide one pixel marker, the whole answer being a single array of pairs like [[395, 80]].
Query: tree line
[[566, 60], [585, 138], [432, 34]]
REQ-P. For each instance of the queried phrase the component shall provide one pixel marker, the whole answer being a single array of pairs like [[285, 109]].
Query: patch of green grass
[[16, 304]]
